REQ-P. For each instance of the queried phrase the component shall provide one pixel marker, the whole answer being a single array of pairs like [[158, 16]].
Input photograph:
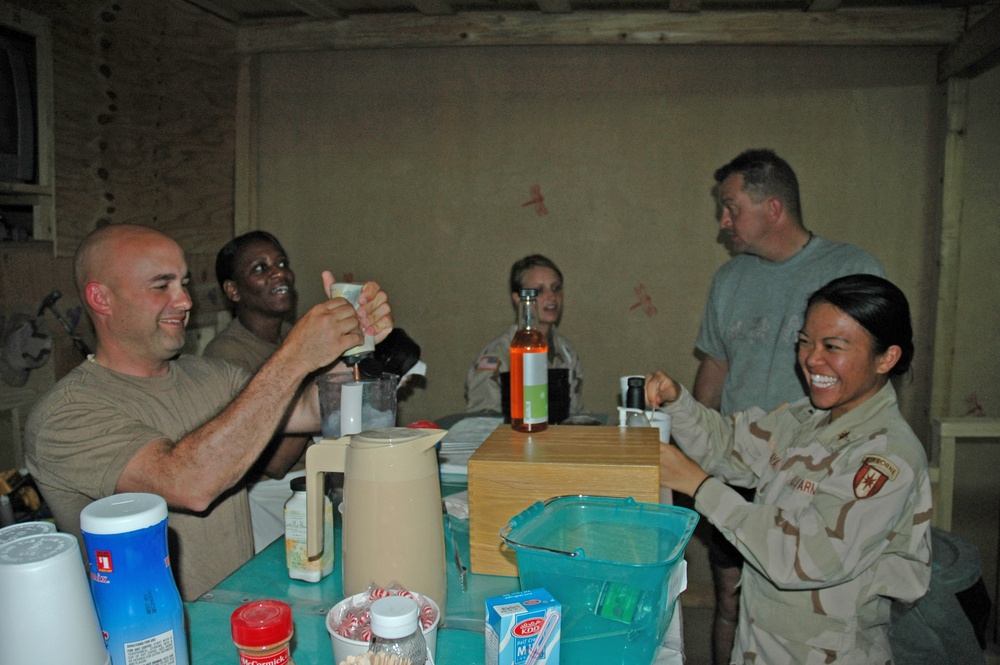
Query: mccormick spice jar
[[262, 631]]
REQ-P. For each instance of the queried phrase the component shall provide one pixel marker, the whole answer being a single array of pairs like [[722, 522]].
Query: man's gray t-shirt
[[755, 311]]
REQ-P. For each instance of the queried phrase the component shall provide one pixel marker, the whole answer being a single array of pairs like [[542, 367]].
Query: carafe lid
[[387, 436]]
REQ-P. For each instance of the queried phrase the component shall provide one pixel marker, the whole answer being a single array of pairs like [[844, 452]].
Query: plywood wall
[[145, 99], [974, 383], [144, 106], [422, 169]]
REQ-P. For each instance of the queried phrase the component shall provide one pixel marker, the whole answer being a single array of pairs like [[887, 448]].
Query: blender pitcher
[[392, 523], [348, 405]]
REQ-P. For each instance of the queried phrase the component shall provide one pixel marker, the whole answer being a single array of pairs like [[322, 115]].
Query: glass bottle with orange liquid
[[529, 369]]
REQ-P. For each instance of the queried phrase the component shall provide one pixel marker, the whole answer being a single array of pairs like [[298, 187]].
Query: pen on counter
[[462, 577]]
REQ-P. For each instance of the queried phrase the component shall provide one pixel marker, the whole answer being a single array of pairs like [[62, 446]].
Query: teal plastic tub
[[609, 562]]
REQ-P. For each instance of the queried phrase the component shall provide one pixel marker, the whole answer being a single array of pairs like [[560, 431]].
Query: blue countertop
[[459, 641]]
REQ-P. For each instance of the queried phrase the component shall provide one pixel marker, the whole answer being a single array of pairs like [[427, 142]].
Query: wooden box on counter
[[511, 471]]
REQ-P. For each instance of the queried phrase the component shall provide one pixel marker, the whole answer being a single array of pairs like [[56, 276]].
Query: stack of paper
[[463, 439]]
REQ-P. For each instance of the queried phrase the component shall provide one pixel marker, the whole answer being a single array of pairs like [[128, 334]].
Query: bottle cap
[[298, 484], [395, 616], [261, 623], [636, 382], [525, 293]]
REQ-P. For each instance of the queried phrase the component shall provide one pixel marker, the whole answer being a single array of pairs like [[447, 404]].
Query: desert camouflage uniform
[[839, 526], [482, 382]]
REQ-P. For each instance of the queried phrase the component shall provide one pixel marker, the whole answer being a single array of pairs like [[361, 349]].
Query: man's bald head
[[102, 248]]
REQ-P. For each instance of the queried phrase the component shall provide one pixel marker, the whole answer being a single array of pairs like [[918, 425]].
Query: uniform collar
[[870, 415]]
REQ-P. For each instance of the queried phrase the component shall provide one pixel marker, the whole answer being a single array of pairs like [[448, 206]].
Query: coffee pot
[[392, 519]]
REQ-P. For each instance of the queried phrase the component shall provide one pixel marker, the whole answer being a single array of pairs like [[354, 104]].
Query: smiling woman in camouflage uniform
[[840, 523]]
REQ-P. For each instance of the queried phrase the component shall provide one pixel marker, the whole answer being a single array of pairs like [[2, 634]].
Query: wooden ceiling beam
[[684, 5], [433, 7], [860, 27], [317, 8], [823, 5], [213, 8], [555, 6], [975, 51]]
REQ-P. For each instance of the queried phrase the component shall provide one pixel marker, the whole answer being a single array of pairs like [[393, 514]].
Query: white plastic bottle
[[300, 566], [396, 631]]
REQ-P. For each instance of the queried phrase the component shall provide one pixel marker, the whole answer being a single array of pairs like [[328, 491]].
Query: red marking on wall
[[537, 200], [644, 300], [975, 408]]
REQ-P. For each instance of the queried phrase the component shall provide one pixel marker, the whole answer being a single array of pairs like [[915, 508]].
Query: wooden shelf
[[41, 195], [945, 437]]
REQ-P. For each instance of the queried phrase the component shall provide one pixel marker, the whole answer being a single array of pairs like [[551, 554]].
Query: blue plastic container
[[609, 562], [138, 605]]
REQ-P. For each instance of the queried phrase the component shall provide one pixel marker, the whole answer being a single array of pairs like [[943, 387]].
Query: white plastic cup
[[661, 421], [24, 529], [47, 616]]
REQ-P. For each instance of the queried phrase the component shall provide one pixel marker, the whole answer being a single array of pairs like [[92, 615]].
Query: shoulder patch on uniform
[[873, 473], [488, 363]]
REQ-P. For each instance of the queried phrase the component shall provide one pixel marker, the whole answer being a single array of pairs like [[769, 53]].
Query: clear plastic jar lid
[[395, 616], [261, 623]]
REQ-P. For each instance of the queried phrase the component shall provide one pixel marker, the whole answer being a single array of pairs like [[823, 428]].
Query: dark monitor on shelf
[[18, 118]]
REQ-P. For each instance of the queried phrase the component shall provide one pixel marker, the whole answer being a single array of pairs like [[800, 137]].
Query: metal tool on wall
[[49, 303]]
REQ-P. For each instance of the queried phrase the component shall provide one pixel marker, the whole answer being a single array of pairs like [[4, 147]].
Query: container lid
[[34, 552], [298, 484], [395, 616], [16, 531], [261, 623], [121, 513], [387, 436], [529, 292]]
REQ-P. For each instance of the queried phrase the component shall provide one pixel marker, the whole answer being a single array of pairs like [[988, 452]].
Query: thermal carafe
[[392, 523]]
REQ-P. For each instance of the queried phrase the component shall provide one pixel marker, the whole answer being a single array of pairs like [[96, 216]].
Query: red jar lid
[[261, 623]]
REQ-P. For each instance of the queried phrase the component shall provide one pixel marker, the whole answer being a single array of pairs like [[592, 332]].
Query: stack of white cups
[[47, 616]]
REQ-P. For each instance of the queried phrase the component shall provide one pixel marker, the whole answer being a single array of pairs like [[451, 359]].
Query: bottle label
[[351, 292], [282, 657], [296, 557], [154, 650], [536, 388]]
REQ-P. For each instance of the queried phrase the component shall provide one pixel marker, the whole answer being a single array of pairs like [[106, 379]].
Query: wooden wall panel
[[144, 105]]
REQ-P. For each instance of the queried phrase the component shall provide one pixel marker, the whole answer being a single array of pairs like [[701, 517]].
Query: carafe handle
[[326, 456]]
